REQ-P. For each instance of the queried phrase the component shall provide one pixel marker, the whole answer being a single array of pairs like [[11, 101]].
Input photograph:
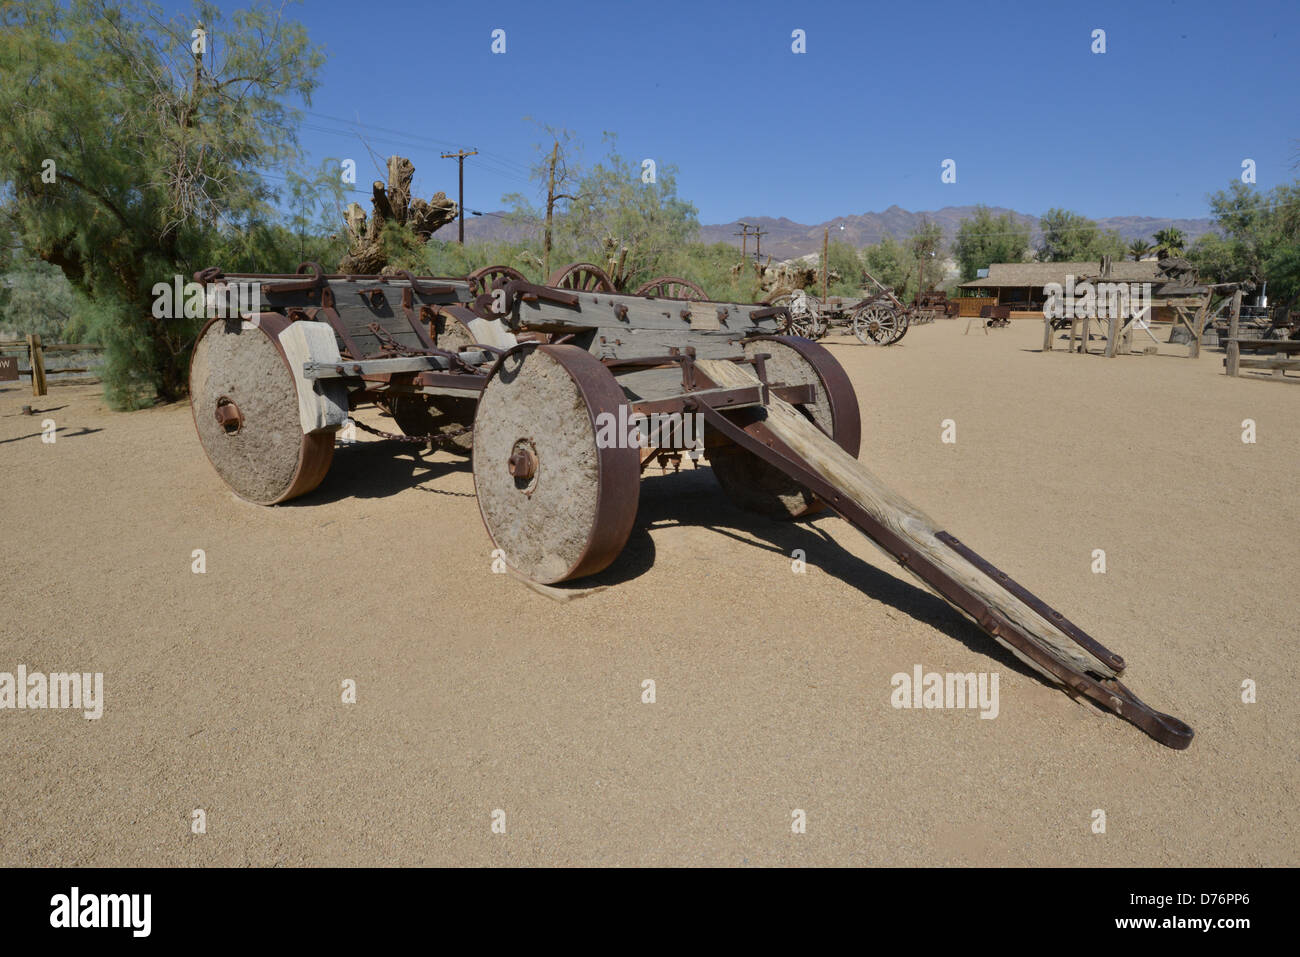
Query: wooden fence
[[10, 371]]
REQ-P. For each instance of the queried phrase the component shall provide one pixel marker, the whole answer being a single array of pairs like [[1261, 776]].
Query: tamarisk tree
[[131, 150]]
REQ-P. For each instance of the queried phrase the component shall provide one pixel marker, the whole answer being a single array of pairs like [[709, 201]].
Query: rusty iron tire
[[554, 501], [758, 486], [581, 277], [671, 287], [238, 369]]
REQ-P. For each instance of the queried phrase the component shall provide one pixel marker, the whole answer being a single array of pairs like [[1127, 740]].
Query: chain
[[436, 439], [391, 346]]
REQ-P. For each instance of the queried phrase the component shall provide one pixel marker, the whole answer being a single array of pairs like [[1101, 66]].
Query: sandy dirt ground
[[474, 693]]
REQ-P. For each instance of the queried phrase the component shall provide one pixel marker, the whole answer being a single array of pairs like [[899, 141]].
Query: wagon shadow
[[380, 469], [692, 498]]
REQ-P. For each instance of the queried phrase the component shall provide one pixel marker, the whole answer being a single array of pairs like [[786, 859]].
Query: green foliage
[[1170, 241], [608, 215], [1258, 240], [127, 158], [893, 266], [1070, 237], [1139, 248], [984, 239], [35, 297], [843, 259]]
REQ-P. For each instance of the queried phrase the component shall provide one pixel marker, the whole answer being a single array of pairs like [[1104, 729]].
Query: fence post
[[37, 356], [1047, 333]]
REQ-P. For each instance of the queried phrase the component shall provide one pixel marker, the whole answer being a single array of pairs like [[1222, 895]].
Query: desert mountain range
[[785, 239]]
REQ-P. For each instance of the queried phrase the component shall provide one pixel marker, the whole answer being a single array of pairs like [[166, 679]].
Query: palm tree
[[1139, 248], [1170, 242]]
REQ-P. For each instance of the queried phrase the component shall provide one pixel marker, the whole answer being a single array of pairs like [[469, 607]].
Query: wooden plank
[[1047, 334], [857, 483], [37, 355], [1277, 365]]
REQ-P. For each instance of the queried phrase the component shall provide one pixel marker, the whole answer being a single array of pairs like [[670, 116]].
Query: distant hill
[[786, 239]]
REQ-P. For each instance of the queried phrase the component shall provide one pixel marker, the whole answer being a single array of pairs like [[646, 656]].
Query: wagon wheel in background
[[878, 324], [245, 403], [671, 287], [805, 315], [418, 414], [581, 277], [759, 486], [482, 280], [556, 502]]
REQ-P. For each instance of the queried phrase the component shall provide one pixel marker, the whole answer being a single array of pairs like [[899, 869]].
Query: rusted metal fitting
[[228, 415], [522, 463]]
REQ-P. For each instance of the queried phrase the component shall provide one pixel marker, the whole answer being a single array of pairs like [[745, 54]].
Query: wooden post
[[1202, 315], [1047, 333], [37, 356], [1233, 362], [1236, 314], [1112, 336]]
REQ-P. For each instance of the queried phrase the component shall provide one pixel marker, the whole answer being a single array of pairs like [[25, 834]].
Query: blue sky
[[863, 120]]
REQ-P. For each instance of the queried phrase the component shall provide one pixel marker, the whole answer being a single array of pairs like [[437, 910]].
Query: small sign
[[8, 368]]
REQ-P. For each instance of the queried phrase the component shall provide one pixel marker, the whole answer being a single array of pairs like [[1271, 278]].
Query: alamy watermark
[[1100, 300], [951, 691], [57, 691], [657, 430], [195, 300]]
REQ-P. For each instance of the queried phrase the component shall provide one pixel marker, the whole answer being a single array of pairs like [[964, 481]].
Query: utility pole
[[758, 243], [551, 200], [459, 157], [744, 241], [826, 239]]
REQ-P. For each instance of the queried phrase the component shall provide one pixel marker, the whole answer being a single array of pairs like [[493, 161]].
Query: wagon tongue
[[1008, 612]]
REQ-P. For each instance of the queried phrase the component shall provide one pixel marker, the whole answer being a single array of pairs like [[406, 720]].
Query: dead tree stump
[[391, 202]]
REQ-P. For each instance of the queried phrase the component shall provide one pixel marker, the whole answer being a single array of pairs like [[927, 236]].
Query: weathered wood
[[1236, 315], [1233, 362], [867, 491], [1277, 365], [1047, 333], [37, 357], [1202, 316], [1112, 335]]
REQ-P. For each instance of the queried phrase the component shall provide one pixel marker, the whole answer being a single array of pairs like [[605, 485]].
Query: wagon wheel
[[877, 324], [671, 287], [805, 315], [245, 404], [758, 486], [556, 500], [438, 414], [582, 277], [482, 280]]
